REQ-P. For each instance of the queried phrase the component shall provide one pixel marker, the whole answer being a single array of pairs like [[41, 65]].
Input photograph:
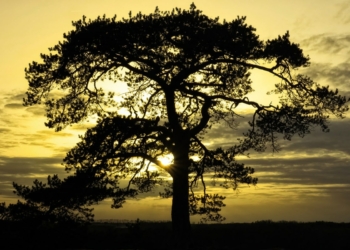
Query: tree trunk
[[180, 207]]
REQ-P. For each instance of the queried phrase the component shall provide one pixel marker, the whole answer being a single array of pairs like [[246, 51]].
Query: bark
[[180, 205], [180, 208]]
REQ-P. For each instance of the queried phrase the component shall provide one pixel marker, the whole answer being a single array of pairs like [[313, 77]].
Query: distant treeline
[[157, 235]]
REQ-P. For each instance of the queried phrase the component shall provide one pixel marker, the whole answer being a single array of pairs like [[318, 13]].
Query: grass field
[[157, 235]]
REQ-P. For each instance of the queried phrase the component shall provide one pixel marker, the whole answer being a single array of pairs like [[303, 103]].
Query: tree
[[57, 202], [185, 73]]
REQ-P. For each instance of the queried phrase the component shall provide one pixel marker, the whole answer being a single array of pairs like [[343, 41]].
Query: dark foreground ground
[[153, 235]]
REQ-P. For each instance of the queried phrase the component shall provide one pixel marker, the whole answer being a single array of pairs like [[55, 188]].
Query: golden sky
[[308, 180]]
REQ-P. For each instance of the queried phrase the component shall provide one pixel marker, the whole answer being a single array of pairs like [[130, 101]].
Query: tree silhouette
[[57, 201], [185, 73]]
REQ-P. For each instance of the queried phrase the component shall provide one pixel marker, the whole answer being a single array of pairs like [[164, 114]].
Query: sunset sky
[[308, 180]]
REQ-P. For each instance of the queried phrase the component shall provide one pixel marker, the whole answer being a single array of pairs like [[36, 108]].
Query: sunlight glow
[[166, 160]]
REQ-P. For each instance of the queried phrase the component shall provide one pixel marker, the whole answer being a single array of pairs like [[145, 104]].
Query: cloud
[[338, 75], [337, 140], [13, 97], [4, 130], [336, 71], [50, 133], [17, 97], [315, 170], [222, 135], [318, 158], [28, 165], [82, 126], [300, 167], [11, 100], [328, 43], [15, 101], [37, 110], [14, 106], [24, 170], [343, 13]]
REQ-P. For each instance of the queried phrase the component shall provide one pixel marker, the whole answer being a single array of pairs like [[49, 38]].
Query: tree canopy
[[185, 73]]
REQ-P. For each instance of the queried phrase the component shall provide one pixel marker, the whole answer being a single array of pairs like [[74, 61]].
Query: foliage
[[185, 73], [57, 201]]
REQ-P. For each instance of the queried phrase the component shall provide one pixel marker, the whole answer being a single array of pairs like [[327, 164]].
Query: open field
[[157, 235]]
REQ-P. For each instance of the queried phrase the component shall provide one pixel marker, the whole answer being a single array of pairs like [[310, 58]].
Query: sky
[[308, 180]]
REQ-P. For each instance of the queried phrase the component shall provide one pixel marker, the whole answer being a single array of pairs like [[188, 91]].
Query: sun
[[166, 160]]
